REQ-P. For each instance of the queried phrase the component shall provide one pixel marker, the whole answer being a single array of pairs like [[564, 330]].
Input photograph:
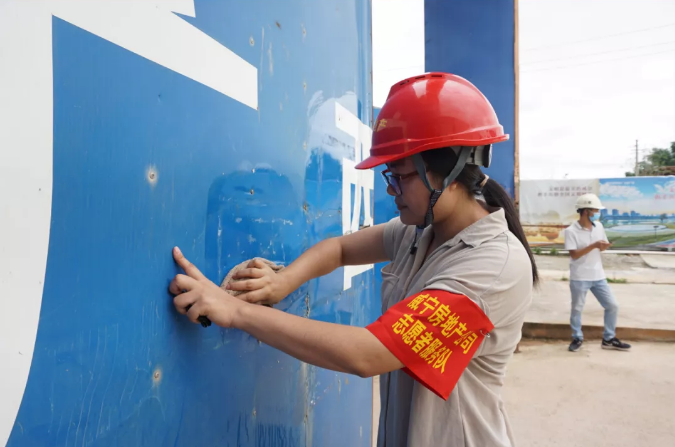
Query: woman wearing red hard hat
[[454, 293]]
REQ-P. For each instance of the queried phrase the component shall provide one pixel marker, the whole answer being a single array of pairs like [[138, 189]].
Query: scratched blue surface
[[474, 39], [114, 365]]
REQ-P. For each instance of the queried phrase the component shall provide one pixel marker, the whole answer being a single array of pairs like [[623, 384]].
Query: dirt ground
[[593, 398]]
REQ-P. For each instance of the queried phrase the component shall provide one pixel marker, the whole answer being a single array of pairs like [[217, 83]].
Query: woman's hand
[[196, 296], [258, 283]]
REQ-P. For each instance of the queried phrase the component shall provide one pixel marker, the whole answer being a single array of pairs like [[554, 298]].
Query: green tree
[[658, 161]]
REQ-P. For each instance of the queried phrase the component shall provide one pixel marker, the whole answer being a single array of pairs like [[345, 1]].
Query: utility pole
[[637, 169]]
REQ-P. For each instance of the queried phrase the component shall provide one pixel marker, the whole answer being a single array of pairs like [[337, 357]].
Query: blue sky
[[647, 195]]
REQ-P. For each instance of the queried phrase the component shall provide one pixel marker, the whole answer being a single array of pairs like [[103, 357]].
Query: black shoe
[[576, 344], [615, 344]]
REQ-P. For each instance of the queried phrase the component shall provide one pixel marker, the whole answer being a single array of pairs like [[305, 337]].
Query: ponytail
[[441, 161], [497, 197]]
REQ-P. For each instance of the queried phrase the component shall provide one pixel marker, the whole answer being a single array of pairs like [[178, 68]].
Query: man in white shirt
[[585, 240]]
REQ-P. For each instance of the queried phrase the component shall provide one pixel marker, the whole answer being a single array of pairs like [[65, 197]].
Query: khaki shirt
[[488, 264]]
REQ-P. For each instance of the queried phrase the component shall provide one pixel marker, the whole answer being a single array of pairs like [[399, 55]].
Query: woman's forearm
[[321, 259], [336, 347], [362, 247]]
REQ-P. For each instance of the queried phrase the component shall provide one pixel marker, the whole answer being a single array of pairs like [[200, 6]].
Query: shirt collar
[[483, 230], [579, 227]]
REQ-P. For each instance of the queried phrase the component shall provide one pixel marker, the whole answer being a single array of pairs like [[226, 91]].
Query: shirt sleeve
[[435, 334], [393, 234], [570, 240]]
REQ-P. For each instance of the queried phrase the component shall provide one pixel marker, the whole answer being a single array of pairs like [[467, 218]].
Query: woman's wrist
[[287, 285], [240, 315]]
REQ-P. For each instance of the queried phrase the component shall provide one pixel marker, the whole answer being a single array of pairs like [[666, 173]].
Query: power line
[[599, 53], [606, 36], [597, 62]]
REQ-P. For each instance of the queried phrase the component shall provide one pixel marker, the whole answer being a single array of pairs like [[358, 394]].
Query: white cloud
[[665, 188], [619, 191]]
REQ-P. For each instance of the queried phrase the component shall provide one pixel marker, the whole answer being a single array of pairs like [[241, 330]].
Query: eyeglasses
[[394, 180]]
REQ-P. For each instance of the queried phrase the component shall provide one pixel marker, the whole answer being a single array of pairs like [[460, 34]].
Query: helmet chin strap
[[462, 158]]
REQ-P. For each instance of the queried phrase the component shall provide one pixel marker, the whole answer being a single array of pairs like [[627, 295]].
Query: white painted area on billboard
[[551, 202]]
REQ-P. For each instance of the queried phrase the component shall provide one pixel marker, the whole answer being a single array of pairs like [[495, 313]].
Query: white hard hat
[[589, 201]]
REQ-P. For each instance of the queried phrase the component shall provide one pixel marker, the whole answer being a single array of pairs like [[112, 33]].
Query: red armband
[[434, 334]]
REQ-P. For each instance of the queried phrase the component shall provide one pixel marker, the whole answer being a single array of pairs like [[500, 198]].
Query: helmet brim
[[377, 160], [398, 153]]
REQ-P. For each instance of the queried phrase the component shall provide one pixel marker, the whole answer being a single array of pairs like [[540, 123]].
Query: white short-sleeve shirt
[[489, 265], [589, 266]]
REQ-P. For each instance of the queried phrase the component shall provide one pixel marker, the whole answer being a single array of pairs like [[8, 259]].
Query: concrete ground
[[646, 300], [609, 261], [659, 261], [647, 306], [635, 269], [593, 398]]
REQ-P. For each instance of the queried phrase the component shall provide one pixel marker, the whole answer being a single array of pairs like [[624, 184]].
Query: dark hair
[[441, 161]]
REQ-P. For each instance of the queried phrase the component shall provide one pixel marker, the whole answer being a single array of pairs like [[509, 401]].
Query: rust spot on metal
[[278, 24], [251, 41], [305, 207], [152, 175], [157, 376], [252, 192]]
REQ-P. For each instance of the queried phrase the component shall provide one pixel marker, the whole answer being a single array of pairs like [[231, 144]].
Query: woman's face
[[413, 201]]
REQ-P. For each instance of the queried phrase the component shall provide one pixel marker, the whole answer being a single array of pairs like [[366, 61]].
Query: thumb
[[187, 266]]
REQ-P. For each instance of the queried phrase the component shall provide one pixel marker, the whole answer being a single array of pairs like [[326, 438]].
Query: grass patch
[[617, 280], [644, 239]]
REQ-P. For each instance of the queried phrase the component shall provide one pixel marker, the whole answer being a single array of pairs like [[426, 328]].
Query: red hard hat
[[431, 111]]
